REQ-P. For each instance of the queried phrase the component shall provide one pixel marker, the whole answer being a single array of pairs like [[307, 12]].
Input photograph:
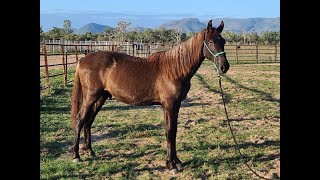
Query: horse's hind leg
[[84, 115], [87, 125]]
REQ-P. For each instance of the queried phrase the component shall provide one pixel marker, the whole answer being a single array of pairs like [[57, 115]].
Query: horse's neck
[[184, 60]]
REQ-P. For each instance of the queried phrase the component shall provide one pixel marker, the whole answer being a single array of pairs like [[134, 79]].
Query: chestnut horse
[[163, 79]]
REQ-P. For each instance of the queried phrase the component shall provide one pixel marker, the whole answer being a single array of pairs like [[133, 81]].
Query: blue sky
[[198, 8]]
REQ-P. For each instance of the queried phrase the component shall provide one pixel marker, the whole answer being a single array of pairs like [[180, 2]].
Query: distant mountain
[[185, 24], [91, 27], [138, 29], [258, 25], [154, 20], [78, 19]]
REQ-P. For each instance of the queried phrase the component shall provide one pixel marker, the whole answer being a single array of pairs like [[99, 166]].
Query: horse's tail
[[76, 98]]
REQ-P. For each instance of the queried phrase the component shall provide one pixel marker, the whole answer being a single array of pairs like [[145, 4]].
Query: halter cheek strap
[[215, 56]]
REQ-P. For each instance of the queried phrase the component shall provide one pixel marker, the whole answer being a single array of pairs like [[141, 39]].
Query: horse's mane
[[178, 61]]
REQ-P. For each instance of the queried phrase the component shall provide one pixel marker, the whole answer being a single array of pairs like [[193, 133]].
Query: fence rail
[[59, 55]]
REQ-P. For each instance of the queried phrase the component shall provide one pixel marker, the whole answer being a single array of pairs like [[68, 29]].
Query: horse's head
[[214, 47]]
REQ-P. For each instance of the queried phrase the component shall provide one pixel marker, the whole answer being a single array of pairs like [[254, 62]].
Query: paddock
[[129, 140]]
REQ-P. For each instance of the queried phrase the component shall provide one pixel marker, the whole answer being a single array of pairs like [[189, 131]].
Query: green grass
[[130, 144]]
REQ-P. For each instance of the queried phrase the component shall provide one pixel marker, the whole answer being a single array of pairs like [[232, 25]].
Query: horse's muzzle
[[224, 68]]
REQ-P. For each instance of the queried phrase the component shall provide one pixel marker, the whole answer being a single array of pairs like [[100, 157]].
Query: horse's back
[[93, 60]]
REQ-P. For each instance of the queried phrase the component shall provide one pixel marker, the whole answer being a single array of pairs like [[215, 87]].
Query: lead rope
[[226, 112]]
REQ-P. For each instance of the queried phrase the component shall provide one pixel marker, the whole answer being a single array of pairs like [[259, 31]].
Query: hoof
[[76, 160], [174, 171], [179, 167]]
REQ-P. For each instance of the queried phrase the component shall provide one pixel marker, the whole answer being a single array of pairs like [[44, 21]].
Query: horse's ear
[[220, 28], [209, 25]]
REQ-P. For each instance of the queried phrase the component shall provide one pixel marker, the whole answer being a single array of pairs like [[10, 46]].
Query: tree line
[[123, 32]]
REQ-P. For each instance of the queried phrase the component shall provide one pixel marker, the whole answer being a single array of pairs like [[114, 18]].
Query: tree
[[67, 26], [149, 35], [140, 37], [42, 34], [81, 37], [121, 29], [55, 33], [254, 37], [160, 34], [190, 34], [270, 37], [101, 37], [183, 37], [169, 36], [109, 33], [177, 33], [71, 37], [231, 37], [88, 36], [132, 36]]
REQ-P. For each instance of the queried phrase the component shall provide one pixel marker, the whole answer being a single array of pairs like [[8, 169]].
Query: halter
[[215, 56]]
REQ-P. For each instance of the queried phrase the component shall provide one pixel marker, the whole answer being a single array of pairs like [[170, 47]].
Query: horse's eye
[[210, 42]]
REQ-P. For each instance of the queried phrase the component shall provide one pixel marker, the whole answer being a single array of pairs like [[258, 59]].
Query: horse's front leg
[[171, 111]]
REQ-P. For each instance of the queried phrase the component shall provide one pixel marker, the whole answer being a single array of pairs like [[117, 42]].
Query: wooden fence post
[[53, 46], [66, 68], [87, 50], [237, 54], [46, 67], [257, 54], [275, 54], [133, 49], [63, 64], [76, 51]]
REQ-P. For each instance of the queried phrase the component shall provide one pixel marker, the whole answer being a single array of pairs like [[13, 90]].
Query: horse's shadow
[[111, 105], [123, 107], [264, 95], [126, 129], [227, 96], [127, 170], [197, 161], [239, 119], [56, 148], [52, 105]]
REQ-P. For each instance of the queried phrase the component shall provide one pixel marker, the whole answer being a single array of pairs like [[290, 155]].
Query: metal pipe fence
[[63, 55]]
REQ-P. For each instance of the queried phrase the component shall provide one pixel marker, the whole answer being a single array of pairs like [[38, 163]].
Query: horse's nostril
[[222, 68]]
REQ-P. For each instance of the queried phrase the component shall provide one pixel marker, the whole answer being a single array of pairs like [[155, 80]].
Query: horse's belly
[[134, 96], [131, 88], [135, 100]]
